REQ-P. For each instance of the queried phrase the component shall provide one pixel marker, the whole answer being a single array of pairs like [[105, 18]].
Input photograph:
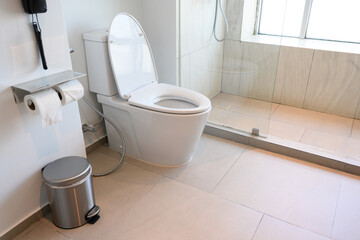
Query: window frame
[[306, 18], [252, 36], [304, 25]]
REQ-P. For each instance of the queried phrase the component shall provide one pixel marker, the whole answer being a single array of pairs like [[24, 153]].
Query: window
[[335, 20]]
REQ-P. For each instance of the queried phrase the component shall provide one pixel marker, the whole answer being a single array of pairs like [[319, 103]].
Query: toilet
[[161, 123]]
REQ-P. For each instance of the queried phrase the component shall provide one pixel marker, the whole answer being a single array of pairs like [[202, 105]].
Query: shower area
[[267, 80]]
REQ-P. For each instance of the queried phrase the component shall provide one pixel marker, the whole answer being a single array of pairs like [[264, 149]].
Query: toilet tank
[[100, 75]]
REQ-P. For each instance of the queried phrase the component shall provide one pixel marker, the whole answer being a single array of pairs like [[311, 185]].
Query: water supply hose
[[123, 147], [218, 4]]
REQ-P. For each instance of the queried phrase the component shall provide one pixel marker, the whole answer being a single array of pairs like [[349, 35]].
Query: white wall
[[161, 24], [87, 15], [25, 147]]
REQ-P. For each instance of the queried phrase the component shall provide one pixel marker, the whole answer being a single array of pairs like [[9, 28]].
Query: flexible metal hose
[[218, 4], [121, 160]]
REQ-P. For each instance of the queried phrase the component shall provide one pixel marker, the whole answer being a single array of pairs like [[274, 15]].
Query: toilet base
[[161, 139]]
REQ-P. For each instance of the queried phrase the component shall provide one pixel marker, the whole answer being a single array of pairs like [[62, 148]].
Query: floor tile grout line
[[273, 111], [298, 226], [217, 196], [302, 135], [138, 200], [172, 179], [204, 191], [237, 159], [266, 214], [56, 230], [336, 208], [178, 181], [257, 228], [352, 128], [253, 209]]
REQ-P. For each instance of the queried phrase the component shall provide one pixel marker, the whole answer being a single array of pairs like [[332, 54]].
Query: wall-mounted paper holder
[[23, 89]]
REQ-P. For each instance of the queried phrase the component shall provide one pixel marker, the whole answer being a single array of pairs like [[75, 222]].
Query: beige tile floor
[[227, 191], [331, 134]]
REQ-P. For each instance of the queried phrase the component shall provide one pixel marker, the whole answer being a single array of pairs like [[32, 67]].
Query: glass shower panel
[[237, 76], [248, 82], [248, 77]]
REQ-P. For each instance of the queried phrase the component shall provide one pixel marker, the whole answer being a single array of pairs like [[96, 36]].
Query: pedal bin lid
[[66, 171]]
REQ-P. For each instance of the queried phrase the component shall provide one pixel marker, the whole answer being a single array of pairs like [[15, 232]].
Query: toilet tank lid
[[100, 35]]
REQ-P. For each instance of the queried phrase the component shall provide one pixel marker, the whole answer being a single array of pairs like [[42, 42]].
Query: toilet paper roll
[[47, 104], [69, 91]]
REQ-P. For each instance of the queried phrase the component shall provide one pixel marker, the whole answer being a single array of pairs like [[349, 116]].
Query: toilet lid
[[130, 55]]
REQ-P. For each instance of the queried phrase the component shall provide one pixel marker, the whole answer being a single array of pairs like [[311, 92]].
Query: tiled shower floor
[[331, 134]]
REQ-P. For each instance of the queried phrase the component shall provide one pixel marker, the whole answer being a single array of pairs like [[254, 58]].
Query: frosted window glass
[[281, 17], [335, 20]]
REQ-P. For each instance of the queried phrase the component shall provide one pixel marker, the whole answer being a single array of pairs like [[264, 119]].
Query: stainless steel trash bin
[[69, 188]]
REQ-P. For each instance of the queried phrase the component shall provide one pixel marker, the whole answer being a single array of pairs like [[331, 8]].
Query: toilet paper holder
[[39, 84]]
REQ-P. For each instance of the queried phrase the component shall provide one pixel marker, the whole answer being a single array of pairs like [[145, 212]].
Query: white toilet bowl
[[161, 123]]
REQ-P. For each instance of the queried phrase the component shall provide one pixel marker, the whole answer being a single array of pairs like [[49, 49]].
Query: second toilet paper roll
[[70, 91]]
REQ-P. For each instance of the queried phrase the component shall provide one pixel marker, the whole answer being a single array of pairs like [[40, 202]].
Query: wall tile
[[334, 85], [203, 66], [185, 71], [206, 70], [296, 75], [258, 69], [250, 69], [231, 67], [208, 21], [196, 24], [215, 67], [234, 10], [191, 25], [280, 76]]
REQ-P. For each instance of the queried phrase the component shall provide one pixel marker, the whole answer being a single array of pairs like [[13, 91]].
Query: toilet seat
[[150, 95]]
